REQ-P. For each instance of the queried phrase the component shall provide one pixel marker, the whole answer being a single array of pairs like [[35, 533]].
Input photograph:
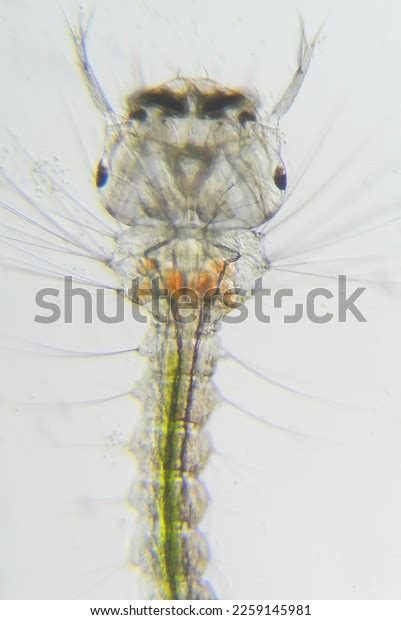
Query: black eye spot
[[280, 178], [102, 175], [138, 115], [245, 117]]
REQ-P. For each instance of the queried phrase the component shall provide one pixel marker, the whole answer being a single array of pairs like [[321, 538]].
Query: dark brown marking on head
[[215, 105], [172, 104], [138, 114], [245, 116]]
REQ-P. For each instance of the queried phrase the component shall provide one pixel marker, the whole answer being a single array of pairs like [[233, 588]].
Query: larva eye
[[280, 178], [102, 175]]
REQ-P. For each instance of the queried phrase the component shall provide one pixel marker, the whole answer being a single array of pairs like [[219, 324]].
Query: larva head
[[193, 151]]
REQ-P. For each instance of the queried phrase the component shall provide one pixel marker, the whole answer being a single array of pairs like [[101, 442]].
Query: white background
[[308, 515]]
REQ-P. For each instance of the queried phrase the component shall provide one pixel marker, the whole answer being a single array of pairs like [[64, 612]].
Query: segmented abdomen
[[172, 448]]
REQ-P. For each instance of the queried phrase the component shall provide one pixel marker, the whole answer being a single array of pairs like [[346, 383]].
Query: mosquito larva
[[192, 170], [161, 154]]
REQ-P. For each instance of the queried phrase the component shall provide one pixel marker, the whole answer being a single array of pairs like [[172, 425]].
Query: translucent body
[[264, 506], [190, 172]]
